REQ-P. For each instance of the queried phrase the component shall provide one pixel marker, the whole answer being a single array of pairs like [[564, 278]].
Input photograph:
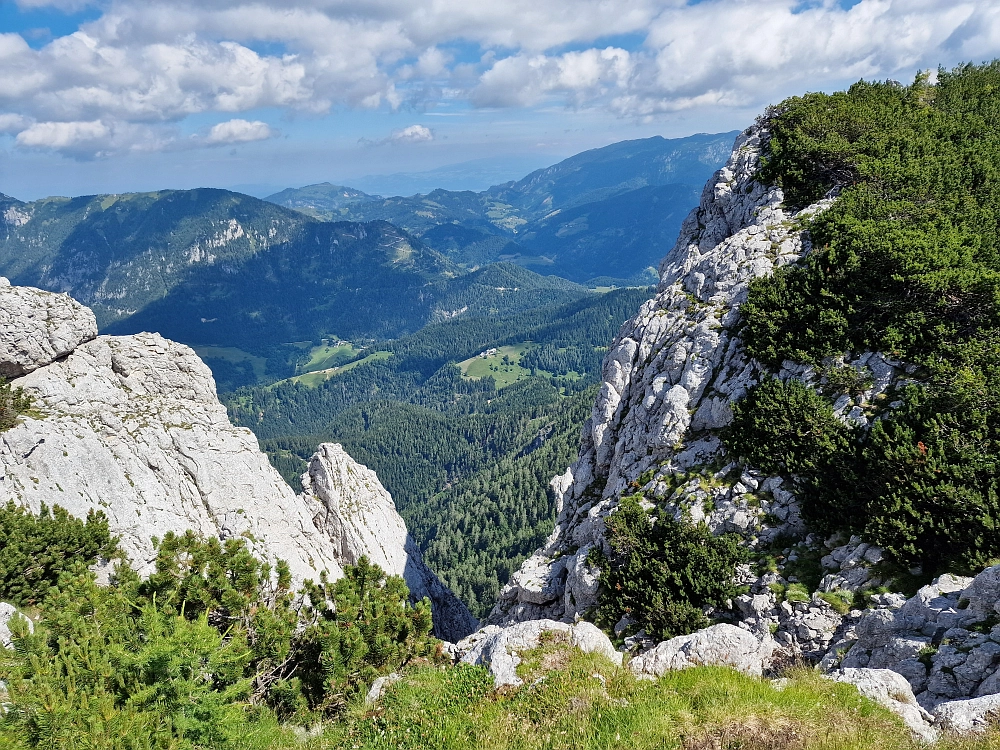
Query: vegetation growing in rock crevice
[[13, 403], [907, 262], [661, 572]]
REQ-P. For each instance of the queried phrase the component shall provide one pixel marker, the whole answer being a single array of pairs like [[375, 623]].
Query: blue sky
[[123, 95]]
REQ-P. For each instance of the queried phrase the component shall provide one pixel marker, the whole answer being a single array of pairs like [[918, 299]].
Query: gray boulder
[[38, 327], [719, 645], [498, 648], [892, 691], [972, 715], [379, 686]]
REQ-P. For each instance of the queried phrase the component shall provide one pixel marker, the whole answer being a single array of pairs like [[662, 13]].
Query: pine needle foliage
[[662, 572], [13, 403], [35, 550], [184, 659], [906, 262]]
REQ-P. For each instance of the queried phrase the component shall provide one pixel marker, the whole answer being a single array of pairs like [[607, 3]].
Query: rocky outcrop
[[720, 645], [358, 516], [132, 426], [972, 715], [499, 648], [669, 381], [39, 327], [945, 640]]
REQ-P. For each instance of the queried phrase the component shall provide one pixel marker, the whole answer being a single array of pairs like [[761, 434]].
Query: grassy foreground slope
[[588, 704]]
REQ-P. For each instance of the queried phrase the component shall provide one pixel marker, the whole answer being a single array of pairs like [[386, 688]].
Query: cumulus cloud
[[410, 134], [13, 123], [238, 131], [89, 139], [523, 80], [730, 53], [63, 135], [145, 65]]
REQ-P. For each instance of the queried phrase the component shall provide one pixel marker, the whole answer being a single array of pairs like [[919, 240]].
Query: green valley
[[466, 456]]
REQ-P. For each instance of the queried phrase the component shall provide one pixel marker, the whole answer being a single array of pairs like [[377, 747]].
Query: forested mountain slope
[[213, 268], [433, 433], [627, 202]]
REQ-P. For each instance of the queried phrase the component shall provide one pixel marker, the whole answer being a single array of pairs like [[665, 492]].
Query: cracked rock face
[[669, 381], [38, 327], [132, 426], [357, 514]]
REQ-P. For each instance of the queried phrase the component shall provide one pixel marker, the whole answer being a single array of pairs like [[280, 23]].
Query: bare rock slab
[[720, 645], [38, 327], [498, 648]]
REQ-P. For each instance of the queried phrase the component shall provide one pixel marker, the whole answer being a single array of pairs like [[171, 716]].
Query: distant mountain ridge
[[213, 268], [530, 222], [210, 267]]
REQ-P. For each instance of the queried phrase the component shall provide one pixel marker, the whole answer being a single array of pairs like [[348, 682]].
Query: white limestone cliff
[[41, 327], [669, 380], [359, 517], [132, 426]]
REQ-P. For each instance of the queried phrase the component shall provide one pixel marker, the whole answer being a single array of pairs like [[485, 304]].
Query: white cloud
[[12, 123], [409, 134], [521, 80], [146, 64], [63, 135], [238, 131], [412, 134]]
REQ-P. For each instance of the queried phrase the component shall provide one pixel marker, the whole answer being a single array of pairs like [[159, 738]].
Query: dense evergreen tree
[[467, 463]]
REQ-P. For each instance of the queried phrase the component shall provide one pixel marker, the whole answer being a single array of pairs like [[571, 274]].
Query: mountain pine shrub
[[906, 262], [186, 658], [35, 550], [13, 403], [662, 572]]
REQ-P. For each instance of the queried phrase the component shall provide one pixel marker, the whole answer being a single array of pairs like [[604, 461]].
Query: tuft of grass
[[797, 592], [841, 601]]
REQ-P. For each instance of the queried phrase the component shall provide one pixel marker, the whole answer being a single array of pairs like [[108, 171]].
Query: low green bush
[[661, 572], [906, 262], [35, 550], [182, 659], [922, 483], [13, 403]]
